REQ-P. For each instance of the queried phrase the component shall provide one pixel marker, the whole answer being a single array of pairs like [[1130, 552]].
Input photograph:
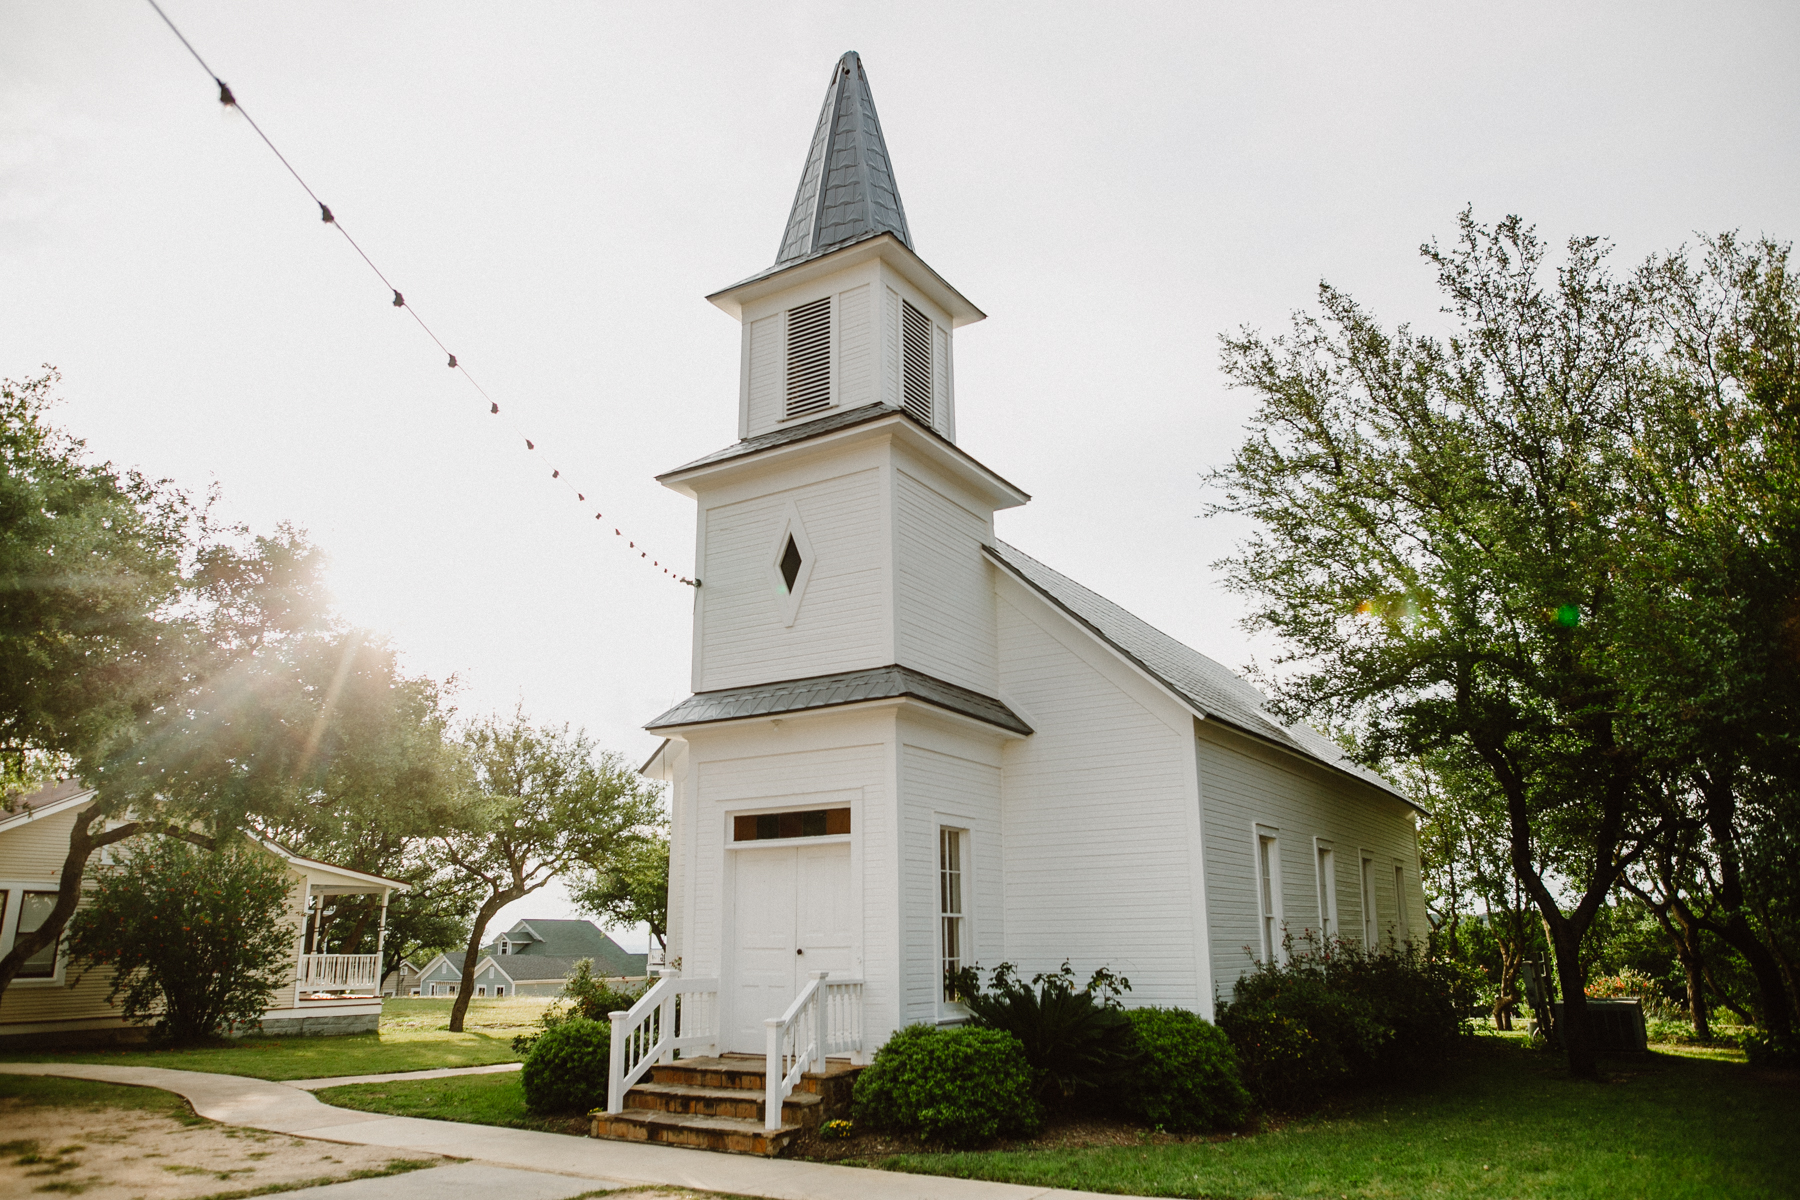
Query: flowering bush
[[1626, 985]]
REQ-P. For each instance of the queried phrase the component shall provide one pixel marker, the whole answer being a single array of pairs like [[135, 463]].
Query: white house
[[322, 993], [912, 746]]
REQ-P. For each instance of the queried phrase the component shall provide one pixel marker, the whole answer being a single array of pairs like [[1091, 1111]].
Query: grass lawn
[[48, 1091], [414, 1036], [1505, 1123], [477, 1099]]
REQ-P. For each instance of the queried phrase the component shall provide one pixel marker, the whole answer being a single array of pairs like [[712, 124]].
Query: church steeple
[[847, 190]]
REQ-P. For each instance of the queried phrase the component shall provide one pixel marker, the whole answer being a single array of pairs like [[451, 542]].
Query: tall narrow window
[[809, 358], [915, 362], [790, 563], [1327, 893], [1400, 902], [33, 912], [1371, 930], [950, 904], [1268, 895]]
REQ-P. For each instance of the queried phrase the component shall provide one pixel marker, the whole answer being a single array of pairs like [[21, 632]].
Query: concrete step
[[734, 1135], [801, 1108]]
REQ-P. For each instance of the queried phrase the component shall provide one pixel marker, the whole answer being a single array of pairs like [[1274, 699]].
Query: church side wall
[[839, 625], [944, 602], [1100, 814], [949, 778], [1245, 784]]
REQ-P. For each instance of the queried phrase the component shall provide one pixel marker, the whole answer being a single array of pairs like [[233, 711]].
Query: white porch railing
[[824, 1019], [675, 1014], [339, 972]]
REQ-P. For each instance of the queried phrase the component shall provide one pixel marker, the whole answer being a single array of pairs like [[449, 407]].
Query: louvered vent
[[809, 358], [915, 370]]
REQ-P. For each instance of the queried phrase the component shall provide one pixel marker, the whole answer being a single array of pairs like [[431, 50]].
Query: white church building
[[912, 746]]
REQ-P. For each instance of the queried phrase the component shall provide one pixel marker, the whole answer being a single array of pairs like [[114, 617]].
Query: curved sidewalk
[[281, 1108]]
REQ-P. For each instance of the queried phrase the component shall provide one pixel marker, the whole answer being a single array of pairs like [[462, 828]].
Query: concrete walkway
[[237, 1100], [331, 1081]]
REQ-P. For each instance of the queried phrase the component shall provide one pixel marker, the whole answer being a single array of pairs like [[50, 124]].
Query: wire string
[[229, 100]]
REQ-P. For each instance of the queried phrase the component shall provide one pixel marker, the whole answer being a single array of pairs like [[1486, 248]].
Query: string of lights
[[230, 101]]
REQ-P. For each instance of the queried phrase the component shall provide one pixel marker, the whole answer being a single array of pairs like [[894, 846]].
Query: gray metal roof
[[1210, 688], [847, 191], [823, 425], [828, 691]]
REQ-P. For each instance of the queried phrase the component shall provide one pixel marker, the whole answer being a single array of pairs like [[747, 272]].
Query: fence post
[[772, 1079], [821, 1018], [615, 1069]]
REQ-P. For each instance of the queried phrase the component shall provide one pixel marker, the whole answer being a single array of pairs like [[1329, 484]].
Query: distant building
[[533, 958]]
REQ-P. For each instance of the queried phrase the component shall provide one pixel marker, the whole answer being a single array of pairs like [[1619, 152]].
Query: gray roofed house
[[533, 958]]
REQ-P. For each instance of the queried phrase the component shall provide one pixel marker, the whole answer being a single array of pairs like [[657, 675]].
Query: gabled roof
[[1211, 689], [847, 190], [23, 809], [829, 691], [567, 940]]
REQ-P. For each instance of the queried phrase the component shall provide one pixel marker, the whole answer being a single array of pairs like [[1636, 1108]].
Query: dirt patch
[[122, 1154]]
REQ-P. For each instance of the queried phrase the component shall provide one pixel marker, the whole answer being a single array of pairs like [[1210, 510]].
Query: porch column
[[381, 947]]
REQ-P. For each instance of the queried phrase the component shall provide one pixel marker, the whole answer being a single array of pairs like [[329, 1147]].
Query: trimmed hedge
[[1187, 1078], [959, 1086], [566, 1069]]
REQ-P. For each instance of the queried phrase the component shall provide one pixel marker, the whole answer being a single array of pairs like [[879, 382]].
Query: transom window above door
[[765, 827]]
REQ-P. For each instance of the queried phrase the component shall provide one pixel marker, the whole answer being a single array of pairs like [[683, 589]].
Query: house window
[[1400, 901], [763, 827], [499, 989], [915, 369], [1268, 893], [505, 946], [1371, 931], [1328, 920], [480, 989], [950, 905], [414, 992], [34, 910], [809, 358]]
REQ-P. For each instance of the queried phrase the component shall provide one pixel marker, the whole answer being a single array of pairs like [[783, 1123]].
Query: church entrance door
[[792, 917]]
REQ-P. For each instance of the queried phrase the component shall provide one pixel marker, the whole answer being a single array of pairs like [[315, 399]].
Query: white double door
[[792, 915]]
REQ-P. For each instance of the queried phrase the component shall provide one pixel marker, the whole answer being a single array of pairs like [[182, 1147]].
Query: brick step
[[747, 1072], [734, 1135], [801, 1108]]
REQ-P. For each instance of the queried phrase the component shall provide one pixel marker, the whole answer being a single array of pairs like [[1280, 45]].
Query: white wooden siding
[[763, 391], [942, 787], [944, 602], [1244, 784], [942, 404], [840, 624], [856, 357], [890, 357], [1101, 863]]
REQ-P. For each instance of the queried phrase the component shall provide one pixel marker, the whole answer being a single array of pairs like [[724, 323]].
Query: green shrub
[[582, 997], [1333, 1015], [1772, 1051], [566, 1069], [1188, 1077], [959, 1086], [1079, 1043], [1297, 1039]]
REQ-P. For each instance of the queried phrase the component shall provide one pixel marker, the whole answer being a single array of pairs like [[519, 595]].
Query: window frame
[[1402, 918], [1265, 857], [946, 830], [15, 891], [1371, 908], [1325, 868]]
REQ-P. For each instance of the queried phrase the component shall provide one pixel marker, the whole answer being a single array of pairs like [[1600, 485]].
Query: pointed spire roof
[[847, 191]]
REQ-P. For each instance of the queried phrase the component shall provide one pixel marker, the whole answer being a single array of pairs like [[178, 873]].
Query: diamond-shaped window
[[790, 563]]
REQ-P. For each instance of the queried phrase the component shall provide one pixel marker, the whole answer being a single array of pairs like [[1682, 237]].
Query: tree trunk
[[466, 990]]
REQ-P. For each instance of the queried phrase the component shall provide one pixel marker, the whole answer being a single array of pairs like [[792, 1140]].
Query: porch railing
[[824, 1019], [675, 1014], [339, 972]]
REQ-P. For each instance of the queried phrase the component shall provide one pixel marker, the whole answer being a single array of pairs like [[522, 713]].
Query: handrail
[[825, 1017], [675, 1014], [338, 970]]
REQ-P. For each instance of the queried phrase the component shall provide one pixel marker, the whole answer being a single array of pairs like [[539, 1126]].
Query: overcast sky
[[555, 187]]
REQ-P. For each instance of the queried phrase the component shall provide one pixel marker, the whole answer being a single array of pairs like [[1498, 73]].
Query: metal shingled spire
[[847, 191]]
